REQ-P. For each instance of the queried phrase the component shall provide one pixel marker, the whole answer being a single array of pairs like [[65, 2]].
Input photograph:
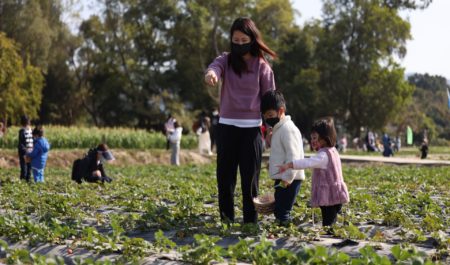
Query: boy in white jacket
[[286, 144]]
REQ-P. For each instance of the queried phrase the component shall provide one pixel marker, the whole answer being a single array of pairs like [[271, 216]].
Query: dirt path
[[65, 158]]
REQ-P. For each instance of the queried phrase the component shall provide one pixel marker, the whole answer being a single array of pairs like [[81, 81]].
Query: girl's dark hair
[[248, 27], [325, 129], [38, 131], [272, 100]]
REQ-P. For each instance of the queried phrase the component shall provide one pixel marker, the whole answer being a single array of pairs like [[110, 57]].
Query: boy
[[286, 145], [39, 154], [25, 145]]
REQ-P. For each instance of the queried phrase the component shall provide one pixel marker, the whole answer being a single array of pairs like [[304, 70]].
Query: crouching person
[[90, 167]]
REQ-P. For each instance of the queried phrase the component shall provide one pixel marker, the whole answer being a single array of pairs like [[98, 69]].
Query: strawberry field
[[161, 214]]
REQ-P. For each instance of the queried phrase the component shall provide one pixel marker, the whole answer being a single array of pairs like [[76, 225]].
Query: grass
[[179, 206], [87, 137]]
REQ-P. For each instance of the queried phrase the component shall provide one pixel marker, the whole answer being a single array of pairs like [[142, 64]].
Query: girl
[[246, 76], [328, 190]]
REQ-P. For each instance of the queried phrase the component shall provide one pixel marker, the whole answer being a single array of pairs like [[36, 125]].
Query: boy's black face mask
[[272, 121]]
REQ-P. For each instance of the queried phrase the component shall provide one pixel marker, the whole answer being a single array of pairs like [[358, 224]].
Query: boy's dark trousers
[[238, 147], [285, 199], [25, 168], [329, 214]]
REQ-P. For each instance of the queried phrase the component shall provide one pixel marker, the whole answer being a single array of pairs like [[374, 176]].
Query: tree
[[20, 84], [47, 43], [355, 56], [432, 114], [298, 77]]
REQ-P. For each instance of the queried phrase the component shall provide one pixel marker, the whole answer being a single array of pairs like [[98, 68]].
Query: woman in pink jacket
[[328, 189]]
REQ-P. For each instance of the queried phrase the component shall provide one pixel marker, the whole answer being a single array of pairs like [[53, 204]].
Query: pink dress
[[328, 187]]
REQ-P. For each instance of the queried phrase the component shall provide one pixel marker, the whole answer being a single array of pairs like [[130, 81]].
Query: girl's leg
[[329, 214]]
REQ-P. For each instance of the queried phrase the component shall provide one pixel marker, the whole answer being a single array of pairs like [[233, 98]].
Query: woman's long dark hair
[[248, 27]]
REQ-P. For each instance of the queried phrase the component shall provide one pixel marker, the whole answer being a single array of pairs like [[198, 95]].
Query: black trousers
[[238, 148], [329, 214], [285, 199], [25, 168]]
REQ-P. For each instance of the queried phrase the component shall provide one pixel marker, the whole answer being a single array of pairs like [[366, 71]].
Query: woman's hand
[[211, 78]]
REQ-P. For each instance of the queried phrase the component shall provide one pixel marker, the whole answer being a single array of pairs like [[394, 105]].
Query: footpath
[[384, 160]]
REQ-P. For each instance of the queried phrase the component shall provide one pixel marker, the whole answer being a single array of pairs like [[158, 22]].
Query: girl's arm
[[320, 160], [291, 141]]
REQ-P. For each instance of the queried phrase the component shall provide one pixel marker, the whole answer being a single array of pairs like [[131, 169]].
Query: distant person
[[343, 144], [175, 142], [328, 189], [213, 129], [204, 139], [387, 146], [246, 75], [424, 149], [39, 154], [286, 146], [263, 136], [25, 145], [370, 142], [90, 167], [397, 144], [2, 129], [169, 128]]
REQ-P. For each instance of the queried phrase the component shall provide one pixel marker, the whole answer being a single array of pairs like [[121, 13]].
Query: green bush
[[84, 137]]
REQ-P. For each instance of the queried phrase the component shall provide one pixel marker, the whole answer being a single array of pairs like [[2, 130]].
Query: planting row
[[120, 221]]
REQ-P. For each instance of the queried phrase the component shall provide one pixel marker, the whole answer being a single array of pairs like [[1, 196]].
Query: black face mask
[[272, 121], [241, 49]]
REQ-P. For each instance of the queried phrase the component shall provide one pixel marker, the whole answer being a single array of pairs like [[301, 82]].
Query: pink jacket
[[328, 187], [240, 96]]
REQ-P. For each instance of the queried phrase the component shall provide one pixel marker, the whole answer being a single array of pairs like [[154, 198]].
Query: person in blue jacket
[[39, 154]]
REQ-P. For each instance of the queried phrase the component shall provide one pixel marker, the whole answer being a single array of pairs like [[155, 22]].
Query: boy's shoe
[[328, 230]]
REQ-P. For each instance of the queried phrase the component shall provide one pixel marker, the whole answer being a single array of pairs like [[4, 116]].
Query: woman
[[246, 76]]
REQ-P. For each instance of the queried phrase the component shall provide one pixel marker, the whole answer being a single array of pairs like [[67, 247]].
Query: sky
[[428, 51]]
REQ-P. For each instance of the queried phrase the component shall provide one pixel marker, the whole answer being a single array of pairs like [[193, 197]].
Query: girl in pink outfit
[[328, 189]]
